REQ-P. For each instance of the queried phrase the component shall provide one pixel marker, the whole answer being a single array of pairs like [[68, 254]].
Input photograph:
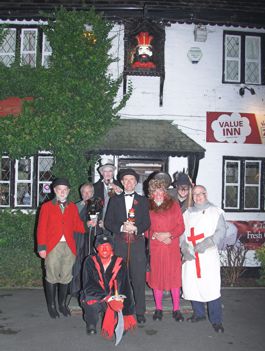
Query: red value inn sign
[[234, 127]]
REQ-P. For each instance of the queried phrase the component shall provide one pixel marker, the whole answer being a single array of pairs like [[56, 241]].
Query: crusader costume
[[130, 246], [98, 286], [201, 281]]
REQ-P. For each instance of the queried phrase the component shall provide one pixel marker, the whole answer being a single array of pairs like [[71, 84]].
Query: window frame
[[242, 184], [34, 182], [242, 59], [39, 49]]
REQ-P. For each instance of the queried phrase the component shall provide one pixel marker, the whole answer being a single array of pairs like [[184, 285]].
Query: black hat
[[61, 181], [104, 239], [128, 171], [181, 179]]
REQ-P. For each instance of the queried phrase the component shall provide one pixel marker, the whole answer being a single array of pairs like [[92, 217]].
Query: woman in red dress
[[165, 257]]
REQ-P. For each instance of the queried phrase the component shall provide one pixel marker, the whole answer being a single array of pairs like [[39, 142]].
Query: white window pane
[[5, 175], [252, 184], [252, 60], [252, 48], [4, 194], [23, 182], [46, 51], [45, 164], [29, 46], [8, 47], [232, 58], [232, 185]]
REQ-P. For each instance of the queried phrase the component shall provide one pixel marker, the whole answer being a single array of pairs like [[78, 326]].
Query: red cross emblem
[[193, 238]]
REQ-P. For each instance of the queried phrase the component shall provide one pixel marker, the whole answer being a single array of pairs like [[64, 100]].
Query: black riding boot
[[50, 297], [62, 296]]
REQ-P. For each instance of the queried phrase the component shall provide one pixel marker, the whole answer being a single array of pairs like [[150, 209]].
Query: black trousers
[[134, 254], [91, 312]]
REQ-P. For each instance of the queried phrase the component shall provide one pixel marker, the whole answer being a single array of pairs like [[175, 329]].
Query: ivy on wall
[[75, 100]]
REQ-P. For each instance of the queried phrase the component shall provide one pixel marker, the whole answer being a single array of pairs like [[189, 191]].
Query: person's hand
[[116, 188], [186, 252], [162, 236], [91, 223], [101, 224], [129, 227], [204, 245], [167, 241], [43, 253], [116, 305]]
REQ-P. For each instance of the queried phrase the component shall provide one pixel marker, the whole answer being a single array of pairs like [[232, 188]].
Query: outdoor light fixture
[[243, 88], [200, 32]]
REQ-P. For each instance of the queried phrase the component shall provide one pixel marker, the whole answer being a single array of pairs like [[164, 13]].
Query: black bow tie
[[129, 194]]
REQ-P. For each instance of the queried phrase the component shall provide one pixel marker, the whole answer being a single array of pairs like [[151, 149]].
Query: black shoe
[[194, 319], [50, 290], [140, 319], [91, 329], [177, 315], [62, 296], [218, 328], [158, 315]]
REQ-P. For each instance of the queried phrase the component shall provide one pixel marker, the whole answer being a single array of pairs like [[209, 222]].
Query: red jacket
[[53, 224]]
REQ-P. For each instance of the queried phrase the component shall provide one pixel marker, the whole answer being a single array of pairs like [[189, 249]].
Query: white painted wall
[[190, 90]]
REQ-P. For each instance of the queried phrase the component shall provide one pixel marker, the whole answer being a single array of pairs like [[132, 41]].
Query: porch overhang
[[150, 139]]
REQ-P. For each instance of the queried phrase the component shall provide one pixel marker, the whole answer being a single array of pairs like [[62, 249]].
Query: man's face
[[107, 174], [183, 190], [105, 251], [199, 195], [61, 192], [87, 193], [129, 183]]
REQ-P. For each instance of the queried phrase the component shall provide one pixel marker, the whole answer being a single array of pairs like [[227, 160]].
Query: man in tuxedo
[[127, 217]]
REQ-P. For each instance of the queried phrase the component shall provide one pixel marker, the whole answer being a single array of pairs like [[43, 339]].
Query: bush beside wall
[[19, 263]]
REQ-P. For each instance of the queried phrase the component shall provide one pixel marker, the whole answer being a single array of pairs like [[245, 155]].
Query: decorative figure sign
[[142, 54], [144, 43]]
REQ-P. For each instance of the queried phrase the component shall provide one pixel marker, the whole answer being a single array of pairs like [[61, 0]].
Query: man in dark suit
[[106, 186], [127, 217]]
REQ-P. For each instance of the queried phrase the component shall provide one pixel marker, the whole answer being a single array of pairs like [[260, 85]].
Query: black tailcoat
[[133, 252]]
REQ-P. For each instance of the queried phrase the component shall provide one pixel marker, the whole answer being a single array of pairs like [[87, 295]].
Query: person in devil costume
[[100, 273]]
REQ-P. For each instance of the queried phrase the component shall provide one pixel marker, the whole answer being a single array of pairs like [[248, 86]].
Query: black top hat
[[181, 179], [104, 239], [61, 181], [128, 171]]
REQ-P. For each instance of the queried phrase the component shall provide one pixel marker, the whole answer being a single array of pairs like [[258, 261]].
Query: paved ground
[[26, 326]]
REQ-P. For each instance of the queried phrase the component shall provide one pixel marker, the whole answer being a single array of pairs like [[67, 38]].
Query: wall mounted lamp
[[200, 33], [242, 91]]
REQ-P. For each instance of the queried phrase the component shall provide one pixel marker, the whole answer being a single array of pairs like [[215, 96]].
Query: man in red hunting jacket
[[58, 221]]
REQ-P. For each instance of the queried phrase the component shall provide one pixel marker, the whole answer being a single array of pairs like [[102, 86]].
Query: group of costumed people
[[179, 226]]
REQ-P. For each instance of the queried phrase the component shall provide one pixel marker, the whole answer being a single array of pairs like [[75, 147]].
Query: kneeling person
[[104, 273]]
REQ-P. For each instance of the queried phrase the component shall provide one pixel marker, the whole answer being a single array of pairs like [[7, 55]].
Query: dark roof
[[229, 12], [152, 138]]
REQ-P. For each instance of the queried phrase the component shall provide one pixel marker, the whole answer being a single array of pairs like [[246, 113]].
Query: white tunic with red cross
[[201, 279]]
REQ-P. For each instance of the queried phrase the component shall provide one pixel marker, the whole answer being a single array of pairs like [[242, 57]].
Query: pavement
[[26, 326]]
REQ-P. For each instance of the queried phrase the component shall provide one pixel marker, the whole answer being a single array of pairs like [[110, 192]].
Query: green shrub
[[260, 255], [19, 264]]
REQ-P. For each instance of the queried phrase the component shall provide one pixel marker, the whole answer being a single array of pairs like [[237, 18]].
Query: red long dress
[[165, 259]]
